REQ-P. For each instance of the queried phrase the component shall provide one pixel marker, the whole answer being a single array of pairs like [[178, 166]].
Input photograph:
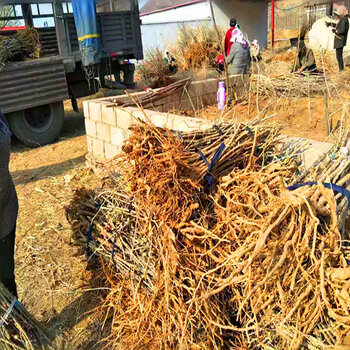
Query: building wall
[[160, 29], [252, 17]]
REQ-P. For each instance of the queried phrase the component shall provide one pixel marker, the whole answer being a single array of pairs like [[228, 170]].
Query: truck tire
[[38, 126]]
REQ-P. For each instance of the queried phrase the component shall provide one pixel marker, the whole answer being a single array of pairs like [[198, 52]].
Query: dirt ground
[[51, 272], [302, 117]]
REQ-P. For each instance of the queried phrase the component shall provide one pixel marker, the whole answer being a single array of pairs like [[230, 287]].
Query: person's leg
[[339, 53], [7, 262]]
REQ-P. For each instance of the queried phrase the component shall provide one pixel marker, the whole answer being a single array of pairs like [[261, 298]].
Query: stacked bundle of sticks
[[290, 85], [154, 95], [24, 44], [206, 248], [332, 168], [18, 330]]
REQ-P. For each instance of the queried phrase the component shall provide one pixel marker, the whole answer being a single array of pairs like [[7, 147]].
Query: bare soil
[[51, 272]]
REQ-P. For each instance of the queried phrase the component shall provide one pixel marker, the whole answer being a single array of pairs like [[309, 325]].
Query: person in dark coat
[[8, 211], [340, 31], [306, 62]]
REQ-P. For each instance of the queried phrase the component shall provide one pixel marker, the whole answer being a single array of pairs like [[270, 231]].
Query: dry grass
[[153, 71], [195, 47]]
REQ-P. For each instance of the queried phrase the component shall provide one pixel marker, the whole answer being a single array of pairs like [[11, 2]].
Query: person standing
[[340, 31], [239, 57], [8, 211], [228, 37], [170, 61]]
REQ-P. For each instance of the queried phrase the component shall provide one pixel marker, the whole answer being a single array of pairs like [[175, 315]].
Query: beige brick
[[171, 106], [109, 115], [98, 148], [160, 120], [187, 124], [103, 132], [111, 151], [210, 86], [86, 109], [124, 118], [196, 88], [95, 111], [118, 136], [186, 105], [89, 141], [90, 127]]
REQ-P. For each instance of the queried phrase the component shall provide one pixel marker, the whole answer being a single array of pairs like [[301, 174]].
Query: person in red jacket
[[228, 37]]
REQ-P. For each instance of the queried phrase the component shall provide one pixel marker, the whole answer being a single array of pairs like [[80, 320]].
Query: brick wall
[[107, 122]]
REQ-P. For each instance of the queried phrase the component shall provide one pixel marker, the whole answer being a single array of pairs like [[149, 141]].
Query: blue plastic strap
[[88, 240], [335, 188], [209, 177], [250, 132], [221, 133]]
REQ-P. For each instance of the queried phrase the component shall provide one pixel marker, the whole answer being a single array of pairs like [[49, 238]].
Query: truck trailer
[[32, 91]]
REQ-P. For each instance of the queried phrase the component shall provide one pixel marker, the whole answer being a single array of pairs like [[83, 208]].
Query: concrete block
[[90, 127], [103, 132], [95, 111], [86, 109], [118, 136], [109, 115], [210, 86], [186, 105], [196, 89], [160, 120], [186, 124], [124, 118], [89, 141], [111, 151], [98, 148], [168, 107]]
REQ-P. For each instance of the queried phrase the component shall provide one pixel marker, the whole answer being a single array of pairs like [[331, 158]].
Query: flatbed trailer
[[32, 92]]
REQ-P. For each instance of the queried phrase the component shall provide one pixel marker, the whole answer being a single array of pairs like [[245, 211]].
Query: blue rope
[[335, 188], [88, 240], [209, 178]]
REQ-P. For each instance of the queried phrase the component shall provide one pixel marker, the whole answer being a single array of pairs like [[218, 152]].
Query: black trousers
[[339, 53], [7, 262]]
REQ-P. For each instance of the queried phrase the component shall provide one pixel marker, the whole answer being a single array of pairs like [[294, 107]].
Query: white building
[[161, 19]]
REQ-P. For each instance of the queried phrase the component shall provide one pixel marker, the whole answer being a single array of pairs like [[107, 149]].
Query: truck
[[32, 92]]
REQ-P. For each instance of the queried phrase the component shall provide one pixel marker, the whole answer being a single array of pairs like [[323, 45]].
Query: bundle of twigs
[[18, 330], [288, 84], [154, 95], [332, 168], [206, 248], [107, 226], [278, 262], [24, 44]]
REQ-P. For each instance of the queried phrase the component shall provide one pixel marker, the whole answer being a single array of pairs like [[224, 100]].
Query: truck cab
[[32, 91]]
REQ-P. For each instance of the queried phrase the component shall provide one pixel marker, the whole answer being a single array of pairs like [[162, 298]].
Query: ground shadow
[[22, 177], [75, 313]]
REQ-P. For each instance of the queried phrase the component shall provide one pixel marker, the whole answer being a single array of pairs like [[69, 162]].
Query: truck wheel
[[38, 126]]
